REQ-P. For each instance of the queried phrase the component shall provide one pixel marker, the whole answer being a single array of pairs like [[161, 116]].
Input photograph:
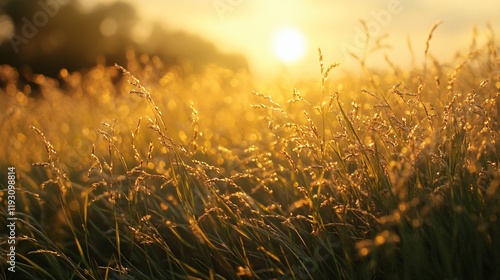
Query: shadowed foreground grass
[[389, 175]]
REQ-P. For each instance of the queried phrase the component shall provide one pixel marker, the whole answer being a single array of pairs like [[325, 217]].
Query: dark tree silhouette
[[50, 35]]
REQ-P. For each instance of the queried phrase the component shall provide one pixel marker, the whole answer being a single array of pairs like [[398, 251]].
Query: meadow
[[151, 172]]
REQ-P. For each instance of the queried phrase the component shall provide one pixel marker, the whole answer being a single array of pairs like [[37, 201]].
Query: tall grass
[[394, 177]]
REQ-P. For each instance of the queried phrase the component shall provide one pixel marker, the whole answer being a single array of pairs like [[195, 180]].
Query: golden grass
[[392, 175]]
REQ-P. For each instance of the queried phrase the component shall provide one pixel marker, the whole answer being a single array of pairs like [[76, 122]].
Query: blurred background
[[266, 38]]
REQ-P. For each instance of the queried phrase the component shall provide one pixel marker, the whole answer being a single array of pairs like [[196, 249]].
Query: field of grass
[[145, 172]]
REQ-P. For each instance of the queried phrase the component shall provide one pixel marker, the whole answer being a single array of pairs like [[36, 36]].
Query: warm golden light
[[289, 45]]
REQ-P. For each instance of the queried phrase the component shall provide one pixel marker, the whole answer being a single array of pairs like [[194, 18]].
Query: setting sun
[[289, 45]]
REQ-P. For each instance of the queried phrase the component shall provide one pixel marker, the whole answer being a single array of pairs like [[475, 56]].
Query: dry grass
[[393, 177]]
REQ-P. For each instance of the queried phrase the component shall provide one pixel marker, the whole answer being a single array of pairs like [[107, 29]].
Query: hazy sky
[[249, 26]]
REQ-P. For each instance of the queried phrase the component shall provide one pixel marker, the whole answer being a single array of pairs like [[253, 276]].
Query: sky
[[251, 27]]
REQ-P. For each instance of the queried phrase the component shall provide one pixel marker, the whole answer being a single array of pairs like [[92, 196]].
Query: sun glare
[[289, 45]]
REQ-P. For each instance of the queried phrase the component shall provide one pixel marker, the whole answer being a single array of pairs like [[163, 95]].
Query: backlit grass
[[143, 172]]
